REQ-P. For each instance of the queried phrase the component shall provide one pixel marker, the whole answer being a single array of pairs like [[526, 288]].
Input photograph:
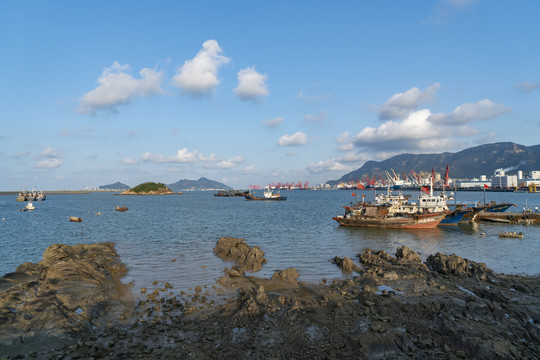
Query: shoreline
[[388, 307]]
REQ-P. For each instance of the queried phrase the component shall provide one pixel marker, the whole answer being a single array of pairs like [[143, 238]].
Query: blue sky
[[244, 92]]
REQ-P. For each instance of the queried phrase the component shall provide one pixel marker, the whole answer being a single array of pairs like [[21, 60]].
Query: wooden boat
[[268, 196], [513, 234], [121, 208], [21, 196], [75, 219], [382, 216]]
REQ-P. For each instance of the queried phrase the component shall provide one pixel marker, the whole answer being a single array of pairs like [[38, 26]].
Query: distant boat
[[121, 208], [21, 196], [231, 193], [29, 206], [41, 196], [268, 196], [75, 219]]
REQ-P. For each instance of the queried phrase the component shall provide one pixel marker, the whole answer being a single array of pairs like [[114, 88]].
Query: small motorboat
[[29, 206], [121, 208], [75, 219]]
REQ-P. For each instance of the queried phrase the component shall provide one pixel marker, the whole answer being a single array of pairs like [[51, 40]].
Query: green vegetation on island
[[149, 188]]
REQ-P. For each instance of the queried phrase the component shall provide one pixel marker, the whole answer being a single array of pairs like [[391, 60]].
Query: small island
[[149, 188]]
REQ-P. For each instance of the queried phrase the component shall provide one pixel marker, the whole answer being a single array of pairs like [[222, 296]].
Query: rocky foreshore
[[388, 307]]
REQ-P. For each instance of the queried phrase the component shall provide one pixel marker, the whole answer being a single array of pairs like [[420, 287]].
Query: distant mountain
[[116, 186], [465, 164], [201, 184]]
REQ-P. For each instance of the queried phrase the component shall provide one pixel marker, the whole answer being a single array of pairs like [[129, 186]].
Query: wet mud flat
[[390, 306]]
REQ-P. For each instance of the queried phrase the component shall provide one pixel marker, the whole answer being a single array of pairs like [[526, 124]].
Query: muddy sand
[[72, 305]]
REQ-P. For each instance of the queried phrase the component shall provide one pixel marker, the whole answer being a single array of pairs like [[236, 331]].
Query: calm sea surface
[[171, 238]]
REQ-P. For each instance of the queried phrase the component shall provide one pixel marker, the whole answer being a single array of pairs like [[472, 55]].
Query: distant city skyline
[[253, 93]]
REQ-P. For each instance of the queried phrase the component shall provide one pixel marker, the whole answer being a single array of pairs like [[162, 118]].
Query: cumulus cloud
[[49, 163], [274, 122], [129, 161], [320, 118], [116, 87], [199, 76], [413, 132], [399, 105], [527, 87], [482, 110], [296, 139], [251, 84], [327, 166], [49, 158], [353, 157], [230, 163], [182, 156]]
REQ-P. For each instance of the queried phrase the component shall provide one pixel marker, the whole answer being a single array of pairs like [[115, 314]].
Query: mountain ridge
[[201, 184], [465, 164]]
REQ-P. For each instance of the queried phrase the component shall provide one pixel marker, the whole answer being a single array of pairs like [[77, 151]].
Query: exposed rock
[[455, 265], [246, 258], [64, 294], [346, 265], [289, 275]]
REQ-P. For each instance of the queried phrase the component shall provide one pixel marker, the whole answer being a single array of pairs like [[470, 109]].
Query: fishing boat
[[385, 216], [21, 196], [121, 208], [269, 195], [41, 196], [75, 219]]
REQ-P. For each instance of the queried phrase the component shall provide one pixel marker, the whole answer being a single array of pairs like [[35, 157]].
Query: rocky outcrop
[[455, 265], [69, 291], [288, 275], [345, 264], [245, 257]]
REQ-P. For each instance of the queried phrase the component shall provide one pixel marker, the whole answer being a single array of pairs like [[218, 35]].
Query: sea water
[[171, 238]]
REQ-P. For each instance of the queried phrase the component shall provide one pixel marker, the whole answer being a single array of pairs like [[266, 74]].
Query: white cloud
[[251, 84], [399, 105], [311, 99], [49, 163], [296, 139], [250, 169], [319, 118], [182, 156], [199, 76], [230, 163], [482, 110], [527, 87], [49, 152], [413, 132], [129, 161], [117, 87], [343, 138], [326, 166], [48, 158], [353, 157], [274, 122]]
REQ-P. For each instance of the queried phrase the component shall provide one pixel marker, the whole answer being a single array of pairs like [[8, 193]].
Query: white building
[[474, 183], [501, 180]]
